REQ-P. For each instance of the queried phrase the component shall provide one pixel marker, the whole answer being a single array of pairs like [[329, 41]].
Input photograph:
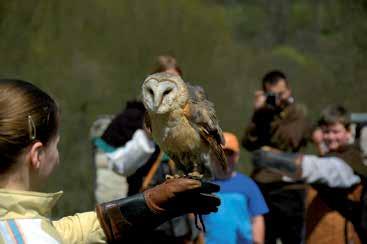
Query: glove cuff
[[122, 220]]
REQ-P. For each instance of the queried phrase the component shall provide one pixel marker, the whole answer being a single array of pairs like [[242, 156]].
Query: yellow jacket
[[24, 218]]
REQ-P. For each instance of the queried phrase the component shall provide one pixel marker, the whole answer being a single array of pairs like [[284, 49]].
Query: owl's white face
[[163, 93]]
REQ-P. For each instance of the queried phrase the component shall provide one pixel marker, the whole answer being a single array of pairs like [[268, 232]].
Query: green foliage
[[93, 55], [302, 13], [286, 52]]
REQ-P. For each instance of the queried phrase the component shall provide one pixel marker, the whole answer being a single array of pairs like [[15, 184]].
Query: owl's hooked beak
[[157, 101], [158, 98]]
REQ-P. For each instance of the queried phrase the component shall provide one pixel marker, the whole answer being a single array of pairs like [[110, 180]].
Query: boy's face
[[336, 136]]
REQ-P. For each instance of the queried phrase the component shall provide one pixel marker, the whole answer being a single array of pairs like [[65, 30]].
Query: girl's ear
[[35, 154]]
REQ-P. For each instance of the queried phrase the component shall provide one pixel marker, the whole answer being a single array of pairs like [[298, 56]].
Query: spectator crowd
[[290, 197]]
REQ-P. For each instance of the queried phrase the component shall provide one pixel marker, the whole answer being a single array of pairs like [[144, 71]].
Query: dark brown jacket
[[353, 156], [287, 130]]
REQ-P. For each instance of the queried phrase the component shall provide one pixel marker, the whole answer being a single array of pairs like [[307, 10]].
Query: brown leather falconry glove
[[127, 219]]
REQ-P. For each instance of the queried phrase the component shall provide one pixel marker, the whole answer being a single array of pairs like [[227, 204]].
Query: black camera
[[271, 99]]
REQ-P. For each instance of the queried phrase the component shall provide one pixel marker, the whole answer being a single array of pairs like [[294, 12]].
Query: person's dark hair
[[165, 63], [335, 114], [27, 114], [124, 125], [272, 78]]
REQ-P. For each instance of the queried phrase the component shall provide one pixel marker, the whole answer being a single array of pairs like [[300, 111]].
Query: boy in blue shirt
[[240, 216]]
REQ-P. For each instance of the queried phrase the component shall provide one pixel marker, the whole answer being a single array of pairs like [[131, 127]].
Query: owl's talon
[[196, 175], [175, 176], [169, 177]]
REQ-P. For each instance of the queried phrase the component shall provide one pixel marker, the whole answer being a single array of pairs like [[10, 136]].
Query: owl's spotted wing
[[201, 113]]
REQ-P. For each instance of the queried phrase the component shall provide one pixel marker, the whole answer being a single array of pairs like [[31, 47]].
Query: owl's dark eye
[[150, 91], [167, 91]]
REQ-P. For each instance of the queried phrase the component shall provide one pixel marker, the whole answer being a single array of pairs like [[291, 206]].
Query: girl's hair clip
[[31, 128]]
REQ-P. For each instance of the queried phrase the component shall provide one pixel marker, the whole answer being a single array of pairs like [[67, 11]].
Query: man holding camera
[[280, 124]]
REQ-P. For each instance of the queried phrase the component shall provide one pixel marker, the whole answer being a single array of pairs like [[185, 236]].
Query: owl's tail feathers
[[219, 153], [223, 160], [216, 148]]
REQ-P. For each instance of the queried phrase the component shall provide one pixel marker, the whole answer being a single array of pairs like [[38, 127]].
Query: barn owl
[[182, 122]]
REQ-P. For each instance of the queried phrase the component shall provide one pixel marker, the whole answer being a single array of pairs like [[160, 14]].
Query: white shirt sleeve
[[134, 154], [331, 171]]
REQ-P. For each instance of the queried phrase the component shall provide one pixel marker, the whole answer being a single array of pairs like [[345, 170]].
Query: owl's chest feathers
[[174, 133]]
